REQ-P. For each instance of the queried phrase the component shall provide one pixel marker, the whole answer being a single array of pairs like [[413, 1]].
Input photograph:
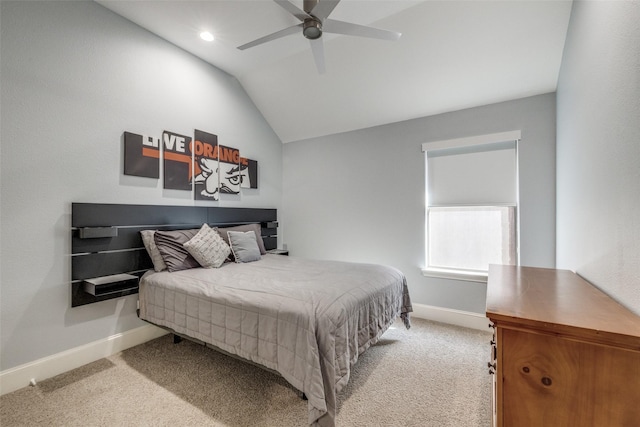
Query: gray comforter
[[307, 320]]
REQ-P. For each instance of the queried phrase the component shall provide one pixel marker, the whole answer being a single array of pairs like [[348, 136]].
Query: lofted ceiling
[[452, 55]]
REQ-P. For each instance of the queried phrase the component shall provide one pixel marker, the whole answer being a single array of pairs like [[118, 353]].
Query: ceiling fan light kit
[[312, 28], [313, 19]]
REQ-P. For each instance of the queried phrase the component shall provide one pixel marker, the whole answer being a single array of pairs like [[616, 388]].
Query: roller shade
[[472, 171], [484, 174]]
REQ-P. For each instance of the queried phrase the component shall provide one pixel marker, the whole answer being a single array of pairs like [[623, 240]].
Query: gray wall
[[599, 148], [74, 77], [359, 196]]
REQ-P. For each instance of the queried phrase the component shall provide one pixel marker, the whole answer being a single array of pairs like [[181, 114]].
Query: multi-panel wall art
[[197, 164]]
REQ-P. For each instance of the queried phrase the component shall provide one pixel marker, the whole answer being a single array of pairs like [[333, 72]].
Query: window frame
[[461, 274]]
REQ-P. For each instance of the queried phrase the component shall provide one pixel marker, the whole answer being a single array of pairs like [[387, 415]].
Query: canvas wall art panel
[[141, 155], [205, 166]]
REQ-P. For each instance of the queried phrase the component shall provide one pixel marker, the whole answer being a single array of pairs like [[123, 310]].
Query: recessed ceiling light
[[206, 36]]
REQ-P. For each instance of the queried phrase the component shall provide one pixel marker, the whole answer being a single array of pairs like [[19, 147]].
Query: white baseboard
[[50, 366], [451, 316]]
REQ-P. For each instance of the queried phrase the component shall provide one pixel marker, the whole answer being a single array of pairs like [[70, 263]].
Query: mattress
[[309, 320]]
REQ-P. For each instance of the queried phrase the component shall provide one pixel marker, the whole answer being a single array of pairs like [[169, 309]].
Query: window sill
[[469, 276]]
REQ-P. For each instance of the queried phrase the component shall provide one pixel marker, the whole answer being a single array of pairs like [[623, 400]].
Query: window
[[471, 237], [471, 211]]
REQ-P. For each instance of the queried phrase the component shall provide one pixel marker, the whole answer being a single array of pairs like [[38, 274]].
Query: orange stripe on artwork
[[177, 157], [151, 152]]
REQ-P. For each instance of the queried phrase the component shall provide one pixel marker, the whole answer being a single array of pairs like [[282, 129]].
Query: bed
[[308, 320]]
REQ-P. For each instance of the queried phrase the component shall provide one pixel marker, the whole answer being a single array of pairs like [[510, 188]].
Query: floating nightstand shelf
[[107, 285], [103, 288]]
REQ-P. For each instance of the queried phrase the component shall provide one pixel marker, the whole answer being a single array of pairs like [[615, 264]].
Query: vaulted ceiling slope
[[452, 55]]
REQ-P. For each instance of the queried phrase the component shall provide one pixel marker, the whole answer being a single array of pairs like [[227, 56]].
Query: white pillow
[[208, 248], [152, 250]]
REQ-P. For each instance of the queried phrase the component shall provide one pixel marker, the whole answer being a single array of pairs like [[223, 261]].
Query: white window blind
[[476, 175], [472, 197]]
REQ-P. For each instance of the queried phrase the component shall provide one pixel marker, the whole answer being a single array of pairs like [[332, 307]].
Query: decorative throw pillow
[[246, 227], [244, 246], [208, 248], [174, 254], [152, 250]]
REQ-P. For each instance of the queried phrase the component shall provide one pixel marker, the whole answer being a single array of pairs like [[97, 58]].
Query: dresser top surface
[[551, 299]]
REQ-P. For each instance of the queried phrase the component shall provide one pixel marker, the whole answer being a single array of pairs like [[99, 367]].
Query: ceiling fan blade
[[324, 8], [349, 29], [317, 47], [278, 34], [292, 9]]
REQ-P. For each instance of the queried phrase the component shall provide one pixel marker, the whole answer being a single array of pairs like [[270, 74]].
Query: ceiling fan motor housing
[[312, 28]]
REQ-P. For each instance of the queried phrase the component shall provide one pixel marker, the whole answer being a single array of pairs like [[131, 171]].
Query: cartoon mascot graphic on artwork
[[209, 177]]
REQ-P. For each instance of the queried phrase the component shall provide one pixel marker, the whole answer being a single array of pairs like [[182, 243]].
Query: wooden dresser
[[564, 353]]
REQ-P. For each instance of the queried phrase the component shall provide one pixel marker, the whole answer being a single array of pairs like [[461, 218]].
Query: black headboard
[[106, 237]]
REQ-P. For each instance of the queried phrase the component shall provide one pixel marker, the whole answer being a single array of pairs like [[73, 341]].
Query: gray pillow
[[152, 249], [247, 227], [171, 247], [244, 246]]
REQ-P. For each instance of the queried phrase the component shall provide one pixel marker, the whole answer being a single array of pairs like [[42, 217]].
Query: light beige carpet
[[431, 375]]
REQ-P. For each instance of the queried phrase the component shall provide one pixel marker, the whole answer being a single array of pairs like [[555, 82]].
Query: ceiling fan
[[314, 21]]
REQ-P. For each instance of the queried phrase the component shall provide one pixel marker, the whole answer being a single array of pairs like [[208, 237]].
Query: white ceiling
[[452, 54]]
